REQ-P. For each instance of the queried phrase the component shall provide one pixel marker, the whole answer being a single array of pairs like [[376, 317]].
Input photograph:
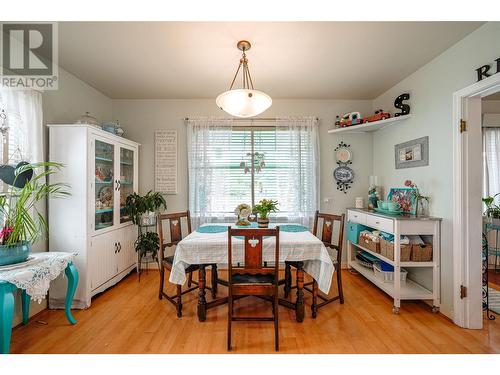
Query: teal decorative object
[[388, 212], [293, 228], [353, 231], [212, 229]]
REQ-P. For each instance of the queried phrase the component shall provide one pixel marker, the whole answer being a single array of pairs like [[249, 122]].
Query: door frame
[[467, 312]]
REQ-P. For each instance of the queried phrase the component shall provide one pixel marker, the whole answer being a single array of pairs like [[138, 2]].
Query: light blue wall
[[431, 89]]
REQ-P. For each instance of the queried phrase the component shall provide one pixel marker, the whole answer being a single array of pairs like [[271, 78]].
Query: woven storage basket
[[421, 253], [369, 244], [387, 250]]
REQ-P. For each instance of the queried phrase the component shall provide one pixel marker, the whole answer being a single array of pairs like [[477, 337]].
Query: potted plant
[[148, 242], [23, 223], [142, 209], [263, 208], [492, 209]]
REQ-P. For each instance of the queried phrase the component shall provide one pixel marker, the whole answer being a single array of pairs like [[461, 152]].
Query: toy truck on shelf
[[354, 118], [379, 115]]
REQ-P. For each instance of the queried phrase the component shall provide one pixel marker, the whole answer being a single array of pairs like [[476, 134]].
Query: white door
[[468, 214], [126, 250], [103, 254]]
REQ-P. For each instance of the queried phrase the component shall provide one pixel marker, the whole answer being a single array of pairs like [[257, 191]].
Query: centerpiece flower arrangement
[[264, 208], [243, 211], [422, 201]]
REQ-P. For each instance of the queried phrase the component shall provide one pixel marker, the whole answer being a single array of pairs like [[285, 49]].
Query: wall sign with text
[[166, 161], [488, 70]]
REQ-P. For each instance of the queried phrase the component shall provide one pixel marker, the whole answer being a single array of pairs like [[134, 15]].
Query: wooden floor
[[494, 278], [129, 318]]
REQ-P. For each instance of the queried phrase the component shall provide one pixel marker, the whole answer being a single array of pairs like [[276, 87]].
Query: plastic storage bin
[[388, 277], [353, 231]]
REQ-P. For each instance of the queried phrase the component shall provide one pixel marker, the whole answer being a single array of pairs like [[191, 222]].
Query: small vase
[[263, 223], [422, 207]]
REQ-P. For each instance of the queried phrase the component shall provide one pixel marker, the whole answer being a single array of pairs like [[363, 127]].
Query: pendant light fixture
[[244, 102]]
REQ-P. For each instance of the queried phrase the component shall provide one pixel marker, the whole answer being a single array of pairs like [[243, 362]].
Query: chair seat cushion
[[253, 279], [169, 261]]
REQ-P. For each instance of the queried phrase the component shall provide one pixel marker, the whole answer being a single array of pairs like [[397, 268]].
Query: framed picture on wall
[[414, 153]]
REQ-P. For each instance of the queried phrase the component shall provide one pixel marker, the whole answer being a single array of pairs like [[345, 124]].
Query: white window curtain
[[217, 149], [491, 162], [23, 140], [299, 188], [207, 139]]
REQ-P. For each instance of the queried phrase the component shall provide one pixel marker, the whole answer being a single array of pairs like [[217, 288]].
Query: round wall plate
[[343, 155], [343, 174]]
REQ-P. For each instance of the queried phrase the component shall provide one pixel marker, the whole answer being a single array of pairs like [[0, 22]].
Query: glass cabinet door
[[104, 184], [126, 181]]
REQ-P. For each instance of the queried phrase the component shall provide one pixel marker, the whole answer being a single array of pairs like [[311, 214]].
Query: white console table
[[399, 225]]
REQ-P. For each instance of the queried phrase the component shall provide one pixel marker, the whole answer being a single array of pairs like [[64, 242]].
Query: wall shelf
[[370, 126]]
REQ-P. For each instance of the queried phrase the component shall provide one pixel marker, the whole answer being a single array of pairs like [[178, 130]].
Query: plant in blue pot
[[22, 221]]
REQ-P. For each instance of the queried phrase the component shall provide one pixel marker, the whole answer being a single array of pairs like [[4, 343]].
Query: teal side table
[[7, 290]]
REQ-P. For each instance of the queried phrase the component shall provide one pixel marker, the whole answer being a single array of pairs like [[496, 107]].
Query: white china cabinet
[[102, 170]]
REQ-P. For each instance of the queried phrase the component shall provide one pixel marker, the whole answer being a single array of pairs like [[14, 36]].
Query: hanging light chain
[[247, 78]]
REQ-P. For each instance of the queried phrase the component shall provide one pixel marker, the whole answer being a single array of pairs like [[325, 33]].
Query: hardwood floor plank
[[129, 318]]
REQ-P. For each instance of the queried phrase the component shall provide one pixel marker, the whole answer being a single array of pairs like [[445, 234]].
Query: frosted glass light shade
[[244, 102]]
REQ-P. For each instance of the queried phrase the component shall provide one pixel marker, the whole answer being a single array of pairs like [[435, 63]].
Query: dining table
[[208, 244]]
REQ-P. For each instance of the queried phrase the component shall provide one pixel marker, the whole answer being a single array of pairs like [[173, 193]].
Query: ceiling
[[314, 60]]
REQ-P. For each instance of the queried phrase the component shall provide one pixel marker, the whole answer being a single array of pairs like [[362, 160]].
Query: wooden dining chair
[[174, 223], [252, 278], [335, 252]]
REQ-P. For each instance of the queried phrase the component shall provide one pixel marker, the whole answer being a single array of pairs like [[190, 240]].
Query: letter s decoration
[[398, 103]]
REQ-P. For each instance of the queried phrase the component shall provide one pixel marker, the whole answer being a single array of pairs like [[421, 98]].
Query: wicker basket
[[387, 250], [369, 244], [421, 253]]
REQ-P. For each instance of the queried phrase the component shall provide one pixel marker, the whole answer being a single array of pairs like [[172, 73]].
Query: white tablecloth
[[207, 248], [35, 275]]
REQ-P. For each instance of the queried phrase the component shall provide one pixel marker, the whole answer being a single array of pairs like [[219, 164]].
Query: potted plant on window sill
[[143, 209], [492, 210], [264, 208], [23, 223]]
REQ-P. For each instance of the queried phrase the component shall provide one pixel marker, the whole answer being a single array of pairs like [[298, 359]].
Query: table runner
[[36, 275], [207, 248]]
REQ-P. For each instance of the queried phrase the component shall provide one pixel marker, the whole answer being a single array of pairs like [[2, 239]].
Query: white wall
[[140, 118], [490, 106], [73, 98], [431, 89]]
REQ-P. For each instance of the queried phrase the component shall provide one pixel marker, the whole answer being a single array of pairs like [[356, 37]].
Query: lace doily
[[36, 276]]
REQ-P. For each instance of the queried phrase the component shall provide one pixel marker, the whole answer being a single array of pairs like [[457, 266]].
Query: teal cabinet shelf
[[99, 158]]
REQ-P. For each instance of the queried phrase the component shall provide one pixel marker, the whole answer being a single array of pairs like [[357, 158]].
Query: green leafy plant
[[136, 205], [19, 209], [492, 209], [148, 242], [264, 207]]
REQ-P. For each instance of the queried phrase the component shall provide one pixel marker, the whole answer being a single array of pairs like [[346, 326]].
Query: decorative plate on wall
[[343, 174], [343, 155]]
